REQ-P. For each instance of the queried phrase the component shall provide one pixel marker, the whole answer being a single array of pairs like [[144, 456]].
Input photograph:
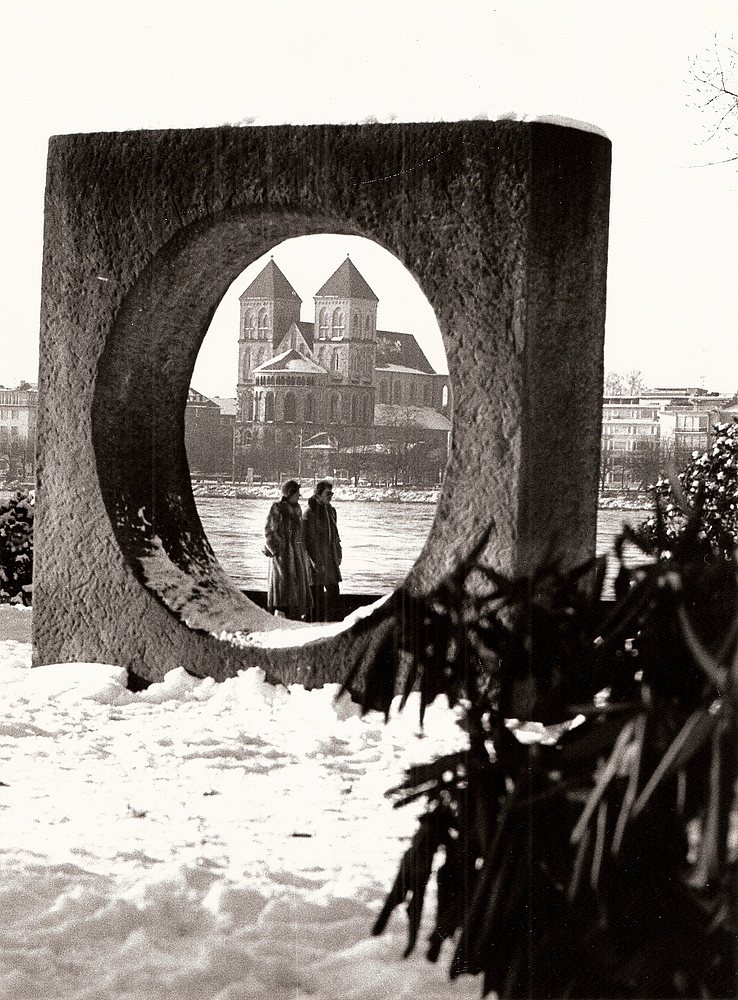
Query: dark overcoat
[[288, 584], [323, 542]]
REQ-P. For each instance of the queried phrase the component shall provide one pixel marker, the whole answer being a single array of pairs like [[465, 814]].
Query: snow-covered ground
[[202, 840]]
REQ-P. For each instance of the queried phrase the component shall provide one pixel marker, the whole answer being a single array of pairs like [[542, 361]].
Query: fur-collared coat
[[323, 542], [288, 586]]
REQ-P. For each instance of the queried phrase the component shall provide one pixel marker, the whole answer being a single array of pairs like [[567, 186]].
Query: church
[[336, 383]]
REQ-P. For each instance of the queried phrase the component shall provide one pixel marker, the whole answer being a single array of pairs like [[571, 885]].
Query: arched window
[[255, 406], [336, 361], [337, 326], [368, 327], [324, 328], [353, 409], [383, 394], [269, 407], [335, 405], [290, 407], [249, 324], [248, 437], [354, 368], [395, 392], [427, 393], [444, 396], [308, 409], [356, 326], [263, 325]]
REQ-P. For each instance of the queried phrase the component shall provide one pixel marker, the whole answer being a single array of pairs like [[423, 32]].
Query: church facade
[[337, 379]]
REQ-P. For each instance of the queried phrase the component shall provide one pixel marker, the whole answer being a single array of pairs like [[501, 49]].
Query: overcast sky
[[673, 264]]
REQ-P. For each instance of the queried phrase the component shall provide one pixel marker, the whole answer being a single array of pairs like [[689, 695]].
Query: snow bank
[[342, 492], [202, 840]]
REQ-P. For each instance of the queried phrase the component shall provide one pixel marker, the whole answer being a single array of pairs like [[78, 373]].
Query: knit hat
[[290, 487]]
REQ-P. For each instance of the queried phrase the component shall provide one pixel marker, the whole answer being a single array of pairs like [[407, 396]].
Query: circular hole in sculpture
[[324, 360]]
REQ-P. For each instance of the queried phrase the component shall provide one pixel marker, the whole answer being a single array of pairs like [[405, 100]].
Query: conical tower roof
[[347, 283], [271, 284]]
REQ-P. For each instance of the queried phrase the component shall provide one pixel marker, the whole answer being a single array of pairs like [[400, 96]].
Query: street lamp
[[233, 455]]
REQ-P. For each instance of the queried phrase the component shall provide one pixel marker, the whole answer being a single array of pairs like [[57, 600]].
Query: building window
[[248, 437], [368, 327], [353, 410], [444, 396], [290, 407], [337, 326], [396, 392], [383, 394], [263, 325], [335, 404], [255, 407], [249, 324], [308, 409], [269, 407], [324, 328], [427, 393], [356, 326], [336, 361], [245, 364]]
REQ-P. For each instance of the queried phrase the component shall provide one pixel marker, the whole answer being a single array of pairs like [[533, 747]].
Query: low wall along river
[[381, 539]]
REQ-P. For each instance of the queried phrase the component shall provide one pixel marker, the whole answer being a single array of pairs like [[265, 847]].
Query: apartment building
[[18, 410], [642, 435]]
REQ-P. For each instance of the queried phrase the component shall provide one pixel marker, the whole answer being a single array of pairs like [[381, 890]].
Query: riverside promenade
[[16, 620]]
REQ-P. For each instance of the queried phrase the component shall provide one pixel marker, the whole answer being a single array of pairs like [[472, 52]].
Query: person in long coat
[[288, 584], [323, 545]]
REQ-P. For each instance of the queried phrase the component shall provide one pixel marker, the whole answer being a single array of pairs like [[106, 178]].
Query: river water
[[381, 541]]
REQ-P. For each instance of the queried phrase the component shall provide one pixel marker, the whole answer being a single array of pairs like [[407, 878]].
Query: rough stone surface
[[504, 227]]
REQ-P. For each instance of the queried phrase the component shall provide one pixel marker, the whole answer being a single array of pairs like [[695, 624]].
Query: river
[[380, 540]]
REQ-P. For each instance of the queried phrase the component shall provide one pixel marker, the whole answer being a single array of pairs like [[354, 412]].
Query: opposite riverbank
[[382, 494]]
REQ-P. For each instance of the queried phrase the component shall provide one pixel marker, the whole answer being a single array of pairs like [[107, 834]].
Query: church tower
[[345, 337], [269, 307]]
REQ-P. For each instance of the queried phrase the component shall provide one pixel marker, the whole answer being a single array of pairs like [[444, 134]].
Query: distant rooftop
[[195, 398], [289, 362], [401, 349], [678, 391], [227, 405], [401, 370]]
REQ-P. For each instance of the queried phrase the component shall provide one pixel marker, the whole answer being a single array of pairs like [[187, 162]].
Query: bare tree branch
[[714, 81]]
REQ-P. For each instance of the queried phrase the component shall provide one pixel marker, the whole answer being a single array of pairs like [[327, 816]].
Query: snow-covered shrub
[[16, 548], [587, 832], [709, 486]]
